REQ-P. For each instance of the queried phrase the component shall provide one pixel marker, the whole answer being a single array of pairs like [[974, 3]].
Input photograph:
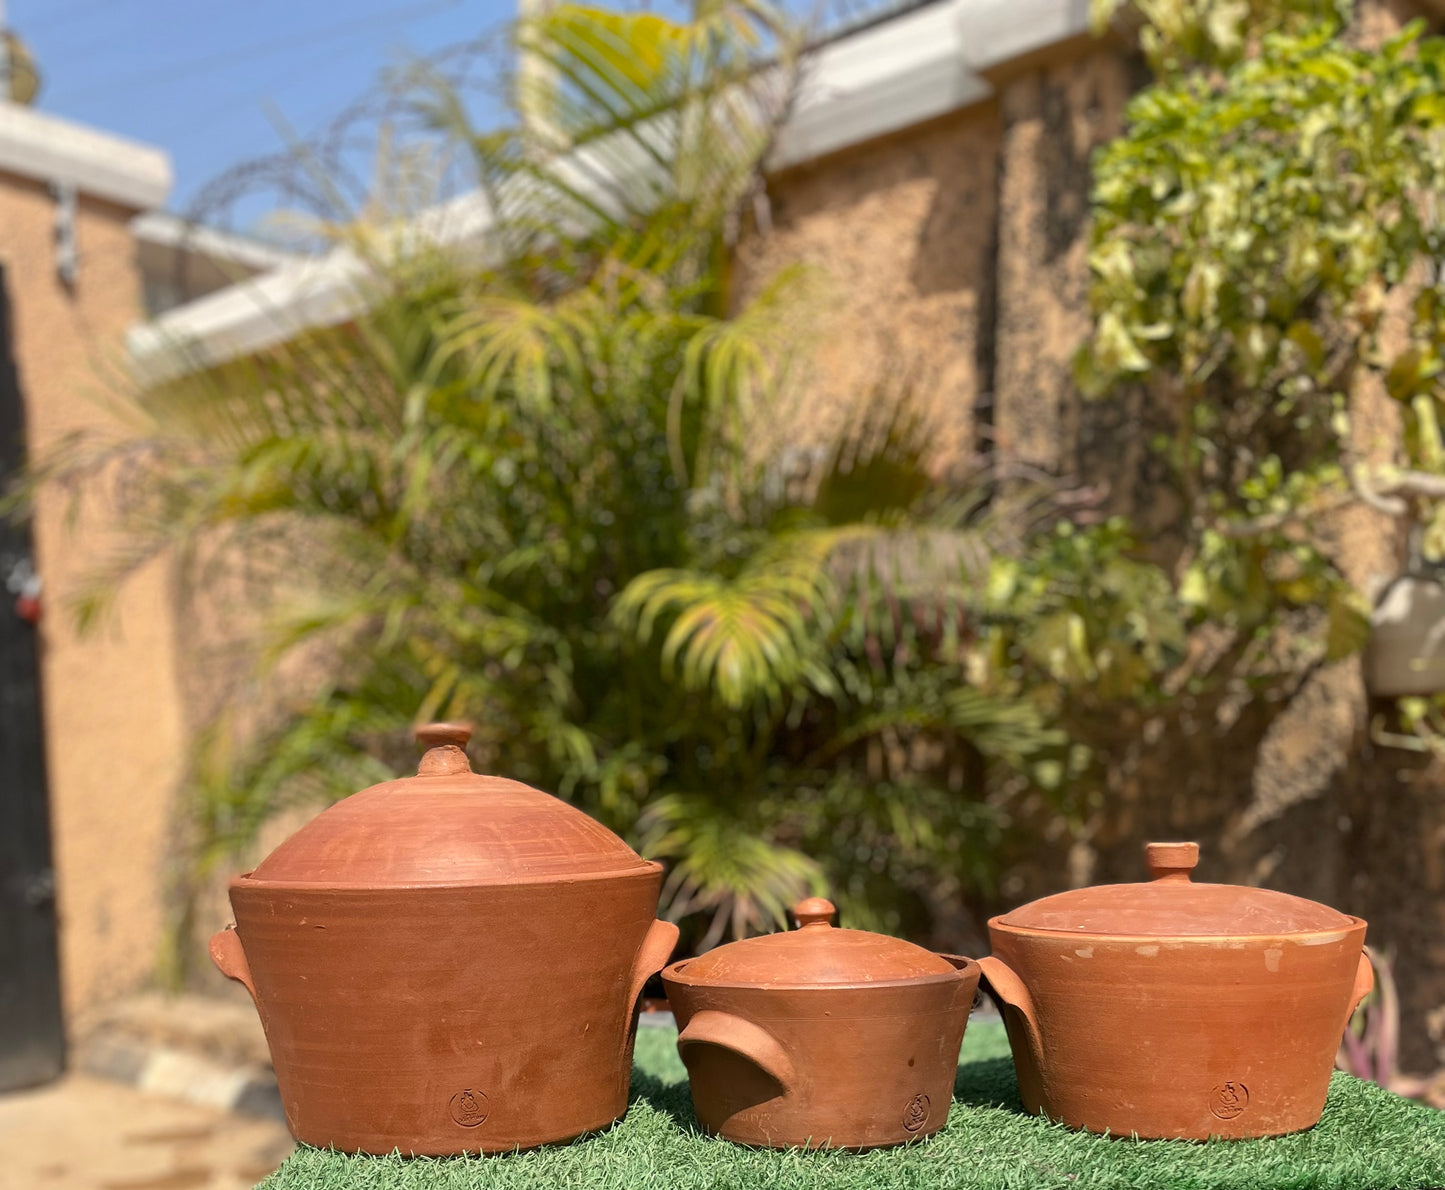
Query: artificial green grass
[[1368, 1139]]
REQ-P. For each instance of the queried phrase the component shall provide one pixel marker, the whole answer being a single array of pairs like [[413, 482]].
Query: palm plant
[[529, 487]]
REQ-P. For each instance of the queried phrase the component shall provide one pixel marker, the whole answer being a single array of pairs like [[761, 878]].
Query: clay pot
[[448, 963], [821, 1037], [1175, 1009]]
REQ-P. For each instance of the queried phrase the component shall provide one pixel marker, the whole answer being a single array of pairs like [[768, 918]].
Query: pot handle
[[1364, 984], [651, 957], [750, 1041], [968, 970], [1009, 988], [229, 956], [961, 962]]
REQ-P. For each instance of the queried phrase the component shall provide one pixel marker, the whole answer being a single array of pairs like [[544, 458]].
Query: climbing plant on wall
[[1267, 245]]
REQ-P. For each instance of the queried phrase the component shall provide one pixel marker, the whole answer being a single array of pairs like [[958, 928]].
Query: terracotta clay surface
[[448, 963], [820, 1036], [1175, 1009]]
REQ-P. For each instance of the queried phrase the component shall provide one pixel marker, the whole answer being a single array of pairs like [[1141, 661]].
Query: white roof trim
[[248, 317], [993, 32], [887, 77], [166, 230], [38, 145], [303, 294], [914, 67]]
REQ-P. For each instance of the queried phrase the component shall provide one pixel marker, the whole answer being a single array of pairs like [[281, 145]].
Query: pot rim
[[649, 868], [969, 969], [1335, 934]]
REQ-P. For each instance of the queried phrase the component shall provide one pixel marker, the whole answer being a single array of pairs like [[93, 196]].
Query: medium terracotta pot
[[448, 963], [1175, 1009], [821, 1037]]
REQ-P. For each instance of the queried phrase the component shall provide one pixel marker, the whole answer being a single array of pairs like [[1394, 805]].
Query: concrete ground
[[85, 1133]]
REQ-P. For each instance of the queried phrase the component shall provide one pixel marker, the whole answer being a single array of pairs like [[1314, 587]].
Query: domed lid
[[447, 825], [1172, 905], [814, 955]]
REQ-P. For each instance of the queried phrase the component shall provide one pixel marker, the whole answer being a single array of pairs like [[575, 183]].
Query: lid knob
[[1171, 861], [815, 911], [445, 745]]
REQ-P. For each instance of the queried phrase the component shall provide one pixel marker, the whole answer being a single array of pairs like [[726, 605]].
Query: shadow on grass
[[989, 1082], [670, 1099]]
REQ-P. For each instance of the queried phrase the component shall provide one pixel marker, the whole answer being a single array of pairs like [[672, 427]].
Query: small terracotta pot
[[1175, 1009], [821, 1037], [448, 963]]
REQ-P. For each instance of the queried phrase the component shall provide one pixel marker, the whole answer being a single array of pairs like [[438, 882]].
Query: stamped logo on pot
[[1228, 1100], [915, 1115], [469, 1108]]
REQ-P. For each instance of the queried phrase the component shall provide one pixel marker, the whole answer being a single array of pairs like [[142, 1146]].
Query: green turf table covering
[[1368, 1139]]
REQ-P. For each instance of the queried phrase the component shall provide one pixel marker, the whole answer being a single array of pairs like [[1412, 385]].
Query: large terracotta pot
[[1175, 1009], [821, 1037], [448, 963]]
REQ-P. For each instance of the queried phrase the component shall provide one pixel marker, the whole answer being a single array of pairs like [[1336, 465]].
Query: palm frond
[[749, 637], [723, 867], [1011, 729], [737, 370], [744, 638]]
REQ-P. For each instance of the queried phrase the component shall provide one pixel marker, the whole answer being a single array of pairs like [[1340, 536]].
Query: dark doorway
[[32, 1041]]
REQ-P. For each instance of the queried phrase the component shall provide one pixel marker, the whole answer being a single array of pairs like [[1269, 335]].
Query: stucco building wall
[[900, 234], [114, 727]]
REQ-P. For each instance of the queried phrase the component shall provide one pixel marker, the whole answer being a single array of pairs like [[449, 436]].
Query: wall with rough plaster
[[114, 726], [900, 233]]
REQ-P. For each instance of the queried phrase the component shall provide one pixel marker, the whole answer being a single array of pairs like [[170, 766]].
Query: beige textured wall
[[114, 727], [901, 232], [1053, 117]]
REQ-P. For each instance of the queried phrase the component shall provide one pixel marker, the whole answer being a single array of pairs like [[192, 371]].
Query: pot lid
[[814, 955], [447, 825], [1170, 904]]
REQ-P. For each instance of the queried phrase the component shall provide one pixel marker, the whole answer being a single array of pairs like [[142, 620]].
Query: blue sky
[[204, 79], [195, 77]]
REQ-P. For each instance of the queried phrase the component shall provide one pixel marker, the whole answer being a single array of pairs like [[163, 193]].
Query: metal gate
[[32, 1043]]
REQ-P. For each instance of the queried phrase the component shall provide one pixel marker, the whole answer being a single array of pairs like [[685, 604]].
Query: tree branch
[[1390, 495], [1419, 485], [1238, 530]]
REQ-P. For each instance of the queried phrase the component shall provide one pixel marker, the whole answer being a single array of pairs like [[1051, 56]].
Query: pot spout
[[1016, 1007]]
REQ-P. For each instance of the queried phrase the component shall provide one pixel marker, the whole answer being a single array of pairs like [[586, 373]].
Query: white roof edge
[[248, 317], [887, 77], [917, 66], [995, 32], [303, 294], [166, 230], [50, 149]]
